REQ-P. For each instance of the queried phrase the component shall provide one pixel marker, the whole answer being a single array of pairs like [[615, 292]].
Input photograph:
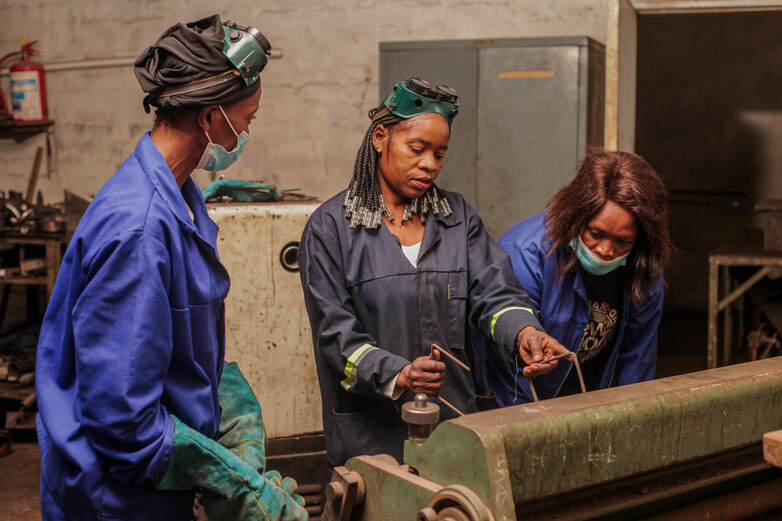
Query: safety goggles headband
[[247, 49], [415, 96]]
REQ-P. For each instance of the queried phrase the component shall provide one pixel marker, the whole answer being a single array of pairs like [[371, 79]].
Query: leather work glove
[[241, 424], [289, 485], [219, 508], [242, 191], [231, 489]]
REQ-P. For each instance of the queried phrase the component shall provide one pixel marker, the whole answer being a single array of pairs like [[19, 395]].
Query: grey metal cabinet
[[529, 108]]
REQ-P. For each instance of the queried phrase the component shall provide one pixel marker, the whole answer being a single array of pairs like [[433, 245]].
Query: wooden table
[[744, 249]]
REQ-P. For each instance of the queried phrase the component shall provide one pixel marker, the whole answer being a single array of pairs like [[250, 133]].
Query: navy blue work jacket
[[372, 313], [134, 332], [564, 312]]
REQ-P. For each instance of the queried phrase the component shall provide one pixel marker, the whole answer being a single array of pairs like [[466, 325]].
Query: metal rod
[[309, 489], [34, 175], [446, 402], [741, 504], [580, 376], [532, 388], [449, 355], [557, 357], [727, 322], [711, 346]]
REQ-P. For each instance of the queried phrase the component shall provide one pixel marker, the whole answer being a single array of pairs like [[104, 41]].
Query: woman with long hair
[[592, 264]]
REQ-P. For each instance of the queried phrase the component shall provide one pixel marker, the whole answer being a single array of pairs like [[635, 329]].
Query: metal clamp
[[549, 360], [345, 490]]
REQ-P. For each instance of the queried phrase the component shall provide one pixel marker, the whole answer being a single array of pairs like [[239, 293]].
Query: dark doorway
[[709, 119]]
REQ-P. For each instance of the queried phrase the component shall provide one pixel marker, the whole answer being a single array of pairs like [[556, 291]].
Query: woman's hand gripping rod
[[549, 360]]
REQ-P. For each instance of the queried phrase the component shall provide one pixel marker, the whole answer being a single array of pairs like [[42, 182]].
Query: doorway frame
[[621, 54]]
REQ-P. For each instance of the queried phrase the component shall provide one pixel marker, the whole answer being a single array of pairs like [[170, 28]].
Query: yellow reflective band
[[353, 361], [500, 312]]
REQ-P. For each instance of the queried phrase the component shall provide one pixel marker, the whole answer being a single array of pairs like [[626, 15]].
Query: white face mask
[[215, 157]]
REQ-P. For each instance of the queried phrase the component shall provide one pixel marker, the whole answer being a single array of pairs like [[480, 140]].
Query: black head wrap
[[186, 69]]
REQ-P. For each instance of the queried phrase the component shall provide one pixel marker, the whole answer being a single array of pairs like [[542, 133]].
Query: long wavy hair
[[629, 181]]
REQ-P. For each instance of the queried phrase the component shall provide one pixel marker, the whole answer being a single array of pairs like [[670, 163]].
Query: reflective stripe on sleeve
[[352, 365], [500, 312]]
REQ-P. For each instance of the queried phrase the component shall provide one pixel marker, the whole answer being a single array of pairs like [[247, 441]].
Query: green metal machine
[[683, 447]]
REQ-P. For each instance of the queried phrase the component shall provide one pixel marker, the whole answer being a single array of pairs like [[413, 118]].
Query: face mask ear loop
[[207, 137], [228, 120]]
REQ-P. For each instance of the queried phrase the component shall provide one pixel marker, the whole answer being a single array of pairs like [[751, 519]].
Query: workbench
[[745, 249]]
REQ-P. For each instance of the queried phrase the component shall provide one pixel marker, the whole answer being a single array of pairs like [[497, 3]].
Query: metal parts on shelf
[[24, 418]]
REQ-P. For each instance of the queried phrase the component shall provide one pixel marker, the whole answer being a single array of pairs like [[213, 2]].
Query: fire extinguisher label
[[26, 96]]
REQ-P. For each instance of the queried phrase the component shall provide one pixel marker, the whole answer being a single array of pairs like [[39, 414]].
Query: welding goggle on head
[[247, 50], [415, 96]]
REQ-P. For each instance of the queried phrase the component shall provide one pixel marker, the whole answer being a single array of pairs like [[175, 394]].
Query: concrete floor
[[20, 474]]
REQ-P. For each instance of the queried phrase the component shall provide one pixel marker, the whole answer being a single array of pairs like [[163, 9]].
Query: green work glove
[[289, 485], [231, 489], [242, 191], [241, 424]]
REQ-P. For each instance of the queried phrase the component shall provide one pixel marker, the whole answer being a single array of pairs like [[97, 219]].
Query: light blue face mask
[[215, 157], [592, 263]]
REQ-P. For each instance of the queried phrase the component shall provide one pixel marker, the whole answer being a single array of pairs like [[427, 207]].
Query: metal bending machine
[[685, 447]]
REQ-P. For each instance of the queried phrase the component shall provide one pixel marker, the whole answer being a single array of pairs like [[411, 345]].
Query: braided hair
[[364, 204]]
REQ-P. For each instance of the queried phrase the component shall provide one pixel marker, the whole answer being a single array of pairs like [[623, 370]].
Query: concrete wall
[[313, 109]]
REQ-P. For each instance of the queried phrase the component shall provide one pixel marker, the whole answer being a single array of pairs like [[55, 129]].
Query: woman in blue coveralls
[[394, 265], [137, 409], [593, 267]]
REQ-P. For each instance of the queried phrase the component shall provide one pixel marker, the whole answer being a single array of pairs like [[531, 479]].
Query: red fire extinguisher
[[28, 86]]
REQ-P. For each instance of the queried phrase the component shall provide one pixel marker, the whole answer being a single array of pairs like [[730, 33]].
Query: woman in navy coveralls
[[393, 265]]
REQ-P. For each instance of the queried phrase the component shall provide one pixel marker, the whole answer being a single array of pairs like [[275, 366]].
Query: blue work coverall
[[134, 332], [372, 313], [564, 312]]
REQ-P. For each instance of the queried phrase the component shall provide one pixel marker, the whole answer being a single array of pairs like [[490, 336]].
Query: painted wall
[[313, 110]]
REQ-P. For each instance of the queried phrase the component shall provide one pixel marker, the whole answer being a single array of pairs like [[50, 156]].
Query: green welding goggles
[[247, 49], [416, 96]]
